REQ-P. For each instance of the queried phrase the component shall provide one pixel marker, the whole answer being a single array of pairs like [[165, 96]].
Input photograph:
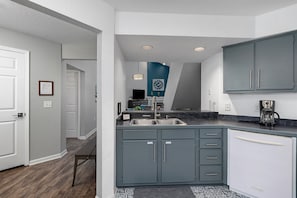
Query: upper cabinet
[[239, 67], [274, 63], [264, 65]]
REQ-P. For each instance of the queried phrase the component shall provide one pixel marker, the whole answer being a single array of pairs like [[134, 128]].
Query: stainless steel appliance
[[267, 113]]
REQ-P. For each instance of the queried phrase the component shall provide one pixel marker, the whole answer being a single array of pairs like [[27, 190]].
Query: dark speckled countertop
[[251, 126]]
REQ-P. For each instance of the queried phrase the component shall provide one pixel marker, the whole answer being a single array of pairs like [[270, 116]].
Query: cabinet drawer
[[211, 133], [139, 134], [210, 173], [210, 143], [178, 134], [210, 156]]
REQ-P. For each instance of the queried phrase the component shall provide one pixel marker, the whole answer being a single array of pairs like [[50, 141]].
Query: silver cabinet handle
[[259, 141], [251, 72], [211, 134], [164, 150], [211, 144], [154, 158], [211, 174], [154, 147], [212, 157], [259, 77]]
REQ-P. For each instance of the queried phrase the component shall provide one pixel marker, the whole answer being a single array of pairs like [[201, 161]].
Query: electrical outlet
[[257, 108], [228, 107]]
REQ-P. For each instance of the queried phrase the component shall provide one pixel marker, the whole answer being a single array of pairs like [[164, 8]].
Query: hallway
[[51, 179]]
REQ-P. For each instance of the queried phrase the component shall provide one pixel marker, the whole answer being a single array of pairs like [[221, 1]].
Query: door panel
[[72, 104], [139, 161], [7, 141], [12, 101], [7, 102], [178, 163]]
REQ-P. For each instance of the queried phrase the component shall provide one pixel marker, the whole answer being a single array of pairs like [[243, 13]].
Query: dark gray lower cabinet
[[139, 161], [164, 156], [178, 160]]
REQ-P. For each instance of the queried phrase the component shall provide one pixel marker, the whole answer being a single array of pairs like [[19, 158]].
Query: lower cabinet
[[170, 156], [139, 161], [178, 163]]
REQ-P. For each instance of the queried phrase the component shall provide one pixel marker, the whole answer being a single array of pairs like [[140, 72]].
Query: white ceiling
[[166, 49], [171, 49], [209, 7], [23, 19]]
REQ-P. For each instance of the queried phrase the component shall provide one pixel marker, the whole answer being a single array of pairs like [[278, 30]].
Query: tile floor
[[198, 191]]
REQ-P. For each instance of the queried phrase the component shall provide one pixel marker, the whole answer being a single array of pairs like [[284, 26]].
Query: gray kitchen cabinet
[[239, 67], [274, 64], [211, 156], [139, 161], [263, 65], [178, 160], [164, 156]]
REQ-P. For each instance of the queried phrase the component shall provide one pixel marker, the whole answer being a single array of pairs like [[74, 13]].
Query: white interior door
[[14, 144], [72, 103]]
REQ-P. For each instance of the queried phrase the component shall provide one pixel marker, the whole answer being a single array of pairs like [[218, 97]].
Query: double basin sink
[[149, 122]]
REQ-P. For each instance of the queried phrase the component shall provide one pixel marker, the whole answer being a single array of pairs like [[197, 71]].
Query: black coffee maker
[[267, 113]]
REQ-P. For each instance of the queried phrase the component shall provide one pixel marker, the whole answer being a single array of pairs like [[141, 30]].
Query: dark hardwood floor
[[51, 179]]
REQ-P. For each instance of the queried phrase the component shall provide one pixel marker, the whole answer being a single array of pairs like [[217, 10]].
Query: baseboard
[[48, 158], [113, 196], [88, 135]]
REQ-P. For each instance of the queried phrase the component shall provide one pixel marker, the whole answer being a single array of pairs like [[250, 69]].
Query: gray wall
[[188, 92], [88, 105], [45, 64]]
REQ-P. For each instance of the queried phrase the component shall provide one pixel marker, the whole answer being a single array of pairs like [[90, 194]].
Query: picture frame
[[46, 88]]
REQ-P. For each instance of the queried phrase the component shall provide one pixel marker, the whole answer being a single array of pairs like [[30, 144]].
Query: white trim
[[112, 196], [78, 103], [88, 135], [48, 158]]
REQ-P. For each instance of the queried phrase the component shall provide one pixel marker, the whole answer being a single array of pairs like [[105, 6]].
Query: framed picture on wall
[[46, 88]]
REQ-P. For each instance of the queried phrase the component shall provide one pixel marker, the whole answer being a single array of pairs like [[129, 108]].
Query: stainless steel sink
[[149, 122], [143, 122], [170, 121]]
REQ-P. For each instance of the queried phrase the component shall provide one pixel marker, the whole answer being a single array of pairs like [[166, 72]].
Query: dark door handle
[[20, 115]]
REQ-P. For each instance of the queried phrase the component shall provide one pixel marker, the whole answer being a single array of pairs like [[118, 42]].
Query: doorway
[[72, 104]]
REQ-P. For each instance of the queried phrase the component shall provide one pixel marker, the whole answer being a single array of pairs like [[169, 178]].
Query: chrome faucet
[[154, 107]]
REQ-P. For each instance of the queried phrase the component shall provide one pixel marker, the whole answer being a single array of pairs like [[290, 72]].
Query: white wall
[[133, 68], [120, 78], [137, 23], [45, 64], [241, 104], [88, 104], [175, 70], [83, 49], [278, 21]]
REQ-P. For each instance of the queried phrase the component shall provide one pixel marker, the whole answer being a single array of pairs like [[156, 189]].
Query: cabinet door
[[178, 160], [238, 67], [274, 63], [139, 161]]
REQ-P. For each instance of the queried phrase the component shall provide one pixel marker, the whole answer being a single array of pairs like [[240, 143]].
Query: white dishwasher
[[260, 165]]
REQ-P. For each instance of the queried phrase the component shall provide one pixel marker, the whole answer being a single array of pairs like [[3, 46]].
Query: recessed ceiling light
[[199, 49], [147, 47]]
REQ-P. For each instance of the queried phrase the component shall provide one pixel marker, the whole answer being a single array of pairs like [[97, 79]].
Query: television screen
[[138, 94]]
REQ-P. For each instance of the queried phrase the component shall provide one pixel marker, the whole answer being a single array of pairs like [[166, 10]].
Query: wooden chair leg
[[74, 171]]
